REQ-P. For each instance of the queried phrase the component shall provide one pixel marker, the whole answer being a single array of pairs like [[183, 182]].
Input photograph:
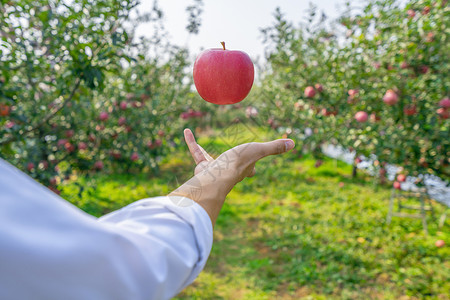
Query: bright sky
[[237, 22]]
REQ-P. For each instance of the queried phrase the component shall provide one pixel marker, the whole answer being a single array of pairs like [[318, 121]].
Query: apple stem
[[223, 45]]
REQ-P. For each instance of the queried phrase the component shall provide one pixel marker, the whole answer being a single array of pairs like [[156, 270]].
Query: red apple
[[444, 113], [401, 178], [10, 124], [134, 156], [103, 116], [440, 243], [423, 69], [390, 98], [411, 13], [358, 160], [98, 165], [53, 181], [445, 103], [352, 93], [116, 154], [374, 118], [30, 166], [4, 110], [69, 133], [397, 185], [69, 147], [426, 10], [123, 105], [319, 87], [404, 65], [161, 133], [62, 142], [361, 116], [122, 121], [310, 92], [223, 76], [82, 146], [410, 110]]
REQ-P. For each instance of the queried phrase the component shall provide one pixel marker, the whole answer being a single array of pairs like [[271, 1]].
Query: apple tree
[[374, 81]]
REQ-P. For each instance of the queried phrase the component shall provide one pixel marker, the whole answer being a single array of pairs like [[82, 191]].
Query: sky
[[237, 22]]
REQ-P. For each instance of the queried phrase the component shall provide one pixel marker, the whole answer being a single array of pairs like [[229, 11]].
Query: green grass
[[291, 232]]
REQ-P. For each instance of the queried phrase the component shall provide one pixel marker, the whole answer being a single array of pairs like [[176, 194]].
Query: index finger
[[196, 152]]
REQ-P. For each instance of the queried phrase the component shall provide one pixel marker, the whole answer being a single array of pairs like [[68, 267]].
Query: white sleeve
[[49, 249]]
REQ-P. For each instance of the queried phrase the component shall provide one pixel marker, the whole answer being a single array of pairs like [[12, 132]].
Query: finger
[[194, 148], [207, 156], [256, 151]]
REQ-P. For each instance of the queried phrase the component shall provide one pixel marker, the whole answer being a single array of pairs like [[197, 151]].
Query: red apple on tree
[[444, 113], [397, 185], [134, 156], [30, 166], [223, 76], [82, 146], [361, 116], [103, 116], [310, 92], [440, 243], [401, 178], [318, 87], [410, 110], [411, 13], [445, 103], [4, 110], [123, 105], [390, 98], [98, 165]]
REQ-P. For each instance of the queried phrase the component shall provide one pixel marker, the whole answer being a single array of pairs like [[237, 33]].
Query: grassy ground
[[294, 232]]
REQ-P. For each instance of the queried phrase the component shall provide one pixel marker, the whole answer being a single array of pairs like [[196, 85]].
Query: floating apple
[[223, 76]]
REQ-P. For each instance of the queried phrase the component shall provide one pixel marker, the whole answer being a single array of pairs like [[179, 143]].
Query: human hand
[[215, 178], [244, 165]]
